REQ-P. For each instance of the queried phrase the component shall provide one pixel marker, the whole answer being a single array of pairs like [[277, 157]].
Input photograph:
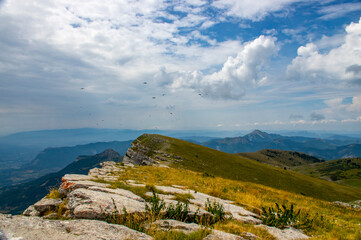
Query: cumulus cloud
[[237, 74], [340, 63]]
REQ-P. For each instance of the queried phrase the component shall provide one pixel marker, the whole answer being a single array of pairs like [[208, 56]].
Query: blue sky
[[181, 65]]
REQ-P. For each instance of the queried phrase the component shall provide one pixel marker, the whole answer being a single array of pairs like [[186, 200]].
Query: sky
[[180, 65]]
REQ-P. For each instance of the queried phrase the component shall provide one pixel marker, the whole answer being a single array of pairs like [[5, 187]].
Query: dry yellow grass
[[338, 222]]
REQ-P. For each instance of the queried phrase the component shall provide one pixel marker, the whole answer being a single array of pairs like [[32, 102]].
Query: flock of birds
[[145, 83]]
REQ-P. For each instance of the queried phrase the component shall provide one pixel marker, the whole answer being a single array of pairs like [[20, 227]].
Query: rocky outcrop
[[92, 197], [138, 154], [35, 228]]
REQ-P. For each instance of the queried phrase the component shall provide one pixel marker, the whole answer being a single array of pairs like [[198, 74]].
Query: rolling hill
[[281, 158], [176, 153]]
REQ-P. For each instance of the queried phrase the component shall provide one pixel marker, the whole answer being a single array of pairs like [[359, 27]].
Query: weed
[[156, 206], [286, 217], [178, 212], [54, 194], [216, 209]]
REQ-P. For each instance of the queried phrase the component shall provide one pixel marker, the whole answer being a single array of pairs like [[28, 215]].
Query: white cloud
[[340, 63], [237, 74], [338, 109], [352, 120], [249, 9], [339, 10]]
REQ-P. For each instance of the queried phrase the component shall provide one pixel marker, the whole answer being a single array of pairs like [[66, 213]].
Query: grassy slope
[[280, 158], [203, 159], [344, 171], [336, 222]]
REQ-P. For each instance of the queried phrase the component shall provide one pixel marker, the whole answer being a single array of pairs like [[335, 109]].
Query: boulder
[[35, 228], [285, 234], [89, 204]]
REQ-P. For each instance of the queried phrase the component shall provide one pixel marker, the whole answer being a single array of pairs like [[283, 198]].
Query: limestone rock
[[35, 228], [31, 211], [285, 234], [138, 156], [89, 204], [47, 204], [170, 224]]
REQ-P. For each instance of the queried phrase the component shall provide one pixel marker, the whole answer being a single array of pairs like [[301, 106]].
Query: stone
[[285, 234], [70, 185], [35, 228], [89, 204], [170, 224], [46, 204], [31, 211]]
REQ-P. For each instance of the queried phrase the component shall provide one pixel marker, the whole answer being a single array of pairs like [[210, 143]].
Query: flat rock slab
[[89, 204], [167, 225], [285, 234], [35, 228], [219, 235], [170, 224]]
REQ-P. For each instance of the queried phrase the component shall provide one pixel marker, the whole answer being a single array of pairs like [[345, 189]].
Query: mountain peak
[[258, 133]]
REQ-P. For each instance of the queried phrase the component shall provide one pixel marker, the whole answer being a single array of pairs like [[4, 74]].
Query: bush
[[216, 209], [286, 217]]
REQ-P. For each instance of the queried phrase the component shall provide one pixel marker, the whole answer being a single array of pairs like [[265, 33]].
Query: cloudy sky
[[196, 64]]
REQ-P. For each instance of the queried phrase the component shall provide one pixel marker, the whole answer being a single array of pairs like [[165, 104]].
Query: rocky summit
[[84, 203]]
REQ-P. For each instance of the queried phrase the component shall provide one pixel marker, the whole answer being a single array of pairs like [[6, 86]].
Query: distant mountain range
[[15, 199], [54, 159], [335, 147]]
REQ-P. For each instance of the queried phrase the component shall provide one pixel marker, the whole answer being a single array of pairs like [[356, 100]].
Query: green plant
[[178, 212], [216, 209], [283, 217], [156, 206]]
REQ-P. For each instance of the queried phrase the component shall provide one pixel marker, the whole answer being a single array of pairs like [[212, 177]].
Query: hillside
[[148, 149], [344, 171], [16, 199], [326, 149], [280, 158]]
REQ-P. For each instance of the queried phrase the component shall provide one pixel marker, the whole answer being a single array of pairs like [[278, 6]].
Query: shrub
[[178, 212], [216, 209], [286, 217]]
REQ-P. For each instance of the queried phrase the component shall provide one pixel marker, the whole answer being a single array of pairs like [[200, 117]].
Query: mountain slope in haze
[[16, 199], [150, 148], [54, 159], [281, 158], [326, 149]]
